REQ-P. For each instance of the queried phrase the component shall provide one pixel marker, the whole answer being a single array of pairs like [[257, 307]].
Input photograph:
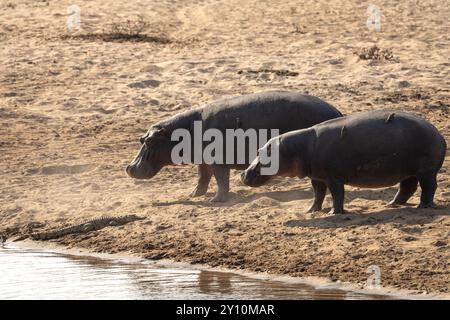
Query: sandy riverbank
[[72, 109]]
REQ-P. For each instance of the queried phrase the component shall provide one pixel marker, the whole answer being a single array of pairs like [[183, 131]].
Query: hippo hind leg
[[204, 177], [428, 185], [405, 191], [337, 191], [320, 190], [222, 175]]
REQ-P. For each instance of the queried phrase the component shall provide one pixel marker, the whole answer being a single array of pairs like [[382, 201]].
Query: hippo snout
[[138, 172], [243, 177], [250, 175], [252, 178], [130, 170], [141, 170]]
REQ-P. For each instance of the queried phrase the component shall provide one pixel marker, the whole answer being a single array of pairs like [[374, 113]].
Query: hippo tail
[[445, 148], [443, 151]]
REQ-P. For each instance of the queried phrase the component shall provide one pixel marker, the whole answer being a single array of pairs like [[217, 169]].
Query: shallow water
[[37, 274]]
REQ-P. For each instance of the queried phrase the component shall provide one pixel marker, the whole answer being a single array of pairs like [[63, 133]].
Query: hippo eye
[[148, 142]]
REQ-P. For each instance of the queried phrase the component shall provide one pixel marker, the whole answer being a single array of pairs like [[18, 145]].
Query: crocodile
[[86, 226]]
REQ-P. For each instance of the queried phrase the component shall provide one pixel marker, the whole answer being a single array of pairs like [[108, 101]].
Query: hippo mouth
[[140, 167], [253, 178], [137, 172]]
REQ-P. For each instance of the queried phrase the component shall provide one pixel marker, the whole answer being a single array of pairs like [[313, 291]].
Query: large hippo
[[285, 111], [370, 150]]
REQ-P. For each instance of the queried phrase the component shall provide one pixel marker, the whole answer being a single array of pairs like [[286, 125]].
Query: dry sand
[[73, 106]]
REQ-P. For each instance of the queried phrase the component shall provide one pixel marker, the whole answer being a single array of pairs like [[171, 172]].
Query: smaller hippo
[[370, 150]]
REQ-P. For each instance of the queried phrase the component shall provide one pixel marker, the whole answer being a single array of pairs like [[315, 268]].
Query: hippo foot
[[393, 204], [198, 191], [314, 209], [220, 198], [431, 205], [334, 211]]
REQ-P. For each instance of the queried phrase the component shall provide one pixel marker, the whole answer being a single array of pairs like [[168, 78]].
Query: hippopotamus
[[285, 111], [370, 150]]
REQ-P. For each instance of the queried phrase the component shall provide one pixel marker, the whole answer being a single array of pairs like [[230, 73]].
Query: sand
[[73, 105]]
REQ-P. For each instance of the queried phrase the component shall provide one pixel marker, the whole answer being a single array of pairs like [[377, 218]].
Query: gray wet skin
[[369, 150], [285, 111]]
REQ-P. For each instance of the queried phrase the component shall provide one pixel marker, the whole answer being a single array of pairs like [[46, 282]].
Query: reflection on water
[[35, 274]]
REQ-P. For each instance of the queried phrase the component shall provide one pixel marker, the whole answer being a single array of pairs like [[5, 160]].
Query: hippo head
[[273, 159], [256, 175], [252, 176], [154, 154]]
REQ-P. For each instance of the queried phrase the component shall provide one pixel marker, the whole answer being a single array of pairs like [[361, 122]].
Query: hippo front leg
[[337, 193], [320, 190], [222, 175], [204, 177]]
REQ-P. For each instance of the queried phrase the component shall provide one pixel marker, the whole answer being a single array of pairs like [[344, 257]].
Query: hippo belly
[[379, 171]]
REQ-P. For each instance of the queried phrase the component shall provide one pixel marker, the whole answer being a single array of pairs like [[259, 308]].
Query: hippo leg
[[204, 176], [337, 192], [222, 175], [320, 190], [428, 185], [406, 190]]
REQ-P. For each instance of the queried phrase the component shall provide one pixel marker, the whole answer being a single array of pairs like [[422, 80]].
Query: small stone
[[149, 246], [404, 84], [158, 256], [163, 227], [145, 84], [440, 243]]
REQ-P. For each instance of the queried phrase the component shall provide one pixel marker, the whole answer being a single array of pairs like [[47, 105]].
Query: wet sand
[[72, 107]]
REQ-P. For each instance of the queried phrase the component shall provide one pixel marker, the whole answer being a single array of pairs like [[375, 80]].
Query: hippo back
[[285, 111]]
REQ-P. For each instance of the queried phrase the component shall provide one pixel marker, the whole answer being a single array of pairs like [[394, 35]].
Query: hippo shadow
[[239, 198], [280, 195], [385, 194], [302, 193], [306, 193], [403, 216]]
